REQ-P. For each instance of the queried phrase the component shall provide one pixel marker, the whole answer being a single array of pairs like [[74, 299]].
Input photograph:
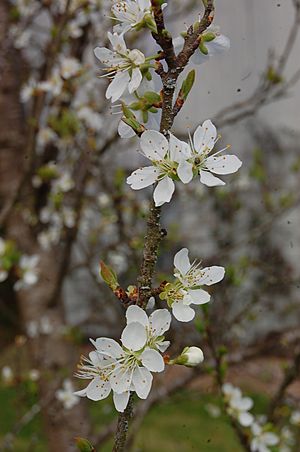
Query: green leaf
[[152, 97], [109, 276], [84, 445], [188, 83]]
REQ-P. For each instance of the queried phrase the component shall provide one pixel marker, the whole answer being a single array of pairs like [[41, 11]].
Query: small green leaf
[[188, 83], [84, 445], [109, 276]]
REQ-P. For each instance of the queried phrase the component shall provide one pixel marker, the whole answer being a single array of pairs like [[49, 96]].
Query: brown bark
[[50, 353]]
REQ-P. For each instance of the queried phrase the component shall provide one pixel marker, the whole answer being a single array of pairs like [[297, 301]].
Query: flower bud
[[190, 357]]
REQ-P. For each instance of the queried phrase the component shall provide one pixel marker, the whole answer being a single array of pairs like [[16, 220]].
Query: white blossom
[[66, 395], [204, 140], [191, 277], [28, 270], [7, 374], [168, 163], [295, 418], [69, 67], [212, 43], [238, 406], [127, 368], [54, 84], [123, 66], [131, 14], [92, 119], [262, 439], [190, 357]]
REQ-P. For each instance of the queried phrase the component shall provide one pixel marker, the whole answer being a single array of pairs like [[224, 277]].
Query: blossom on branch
[[123, 66], [126, 368], [262, 439], [237, 405], [203, 142], [133, 15], [168, 164], [186, 290], [212, 43]]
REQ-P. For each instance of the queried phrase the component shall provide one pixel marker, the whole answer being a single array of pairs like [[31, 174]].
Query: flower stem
[[122, 427]]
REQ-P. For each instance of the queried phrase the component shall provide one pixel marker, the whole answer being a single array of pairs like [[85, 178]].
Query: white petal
[[108, 347], [218, 45], [178, 44], [143, 177], [135, 81], [199, 296], [152, 360], [245, 404], [160, 321], [120, 379], [121, 400], [81, 393], [142, 380], [154, 145], [164, 191], [125, 131], [208, 179], [179, 150], [103, 54], [205, 136], [98, 389], [117, 41], [245, 419], [185, 171], [211, 275], [270, 438], [162, 346], [182, 312], [118, 85], [134, 336], [224, 164], [136, 314], [181, 261]]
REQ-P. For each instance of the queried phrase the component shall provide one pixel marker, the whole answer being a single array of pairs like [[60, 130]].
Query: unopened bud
[[190, 357]]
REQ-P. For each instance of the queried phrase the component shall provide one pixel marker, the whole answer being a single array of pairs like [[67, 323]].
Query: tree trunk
[[51, 354]]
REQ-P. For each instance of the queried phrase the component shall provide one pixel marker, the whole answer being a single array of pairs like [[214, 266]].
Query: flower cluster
[[174, 160], [186, 289], [23, 267], [127, 368], [238, 406]]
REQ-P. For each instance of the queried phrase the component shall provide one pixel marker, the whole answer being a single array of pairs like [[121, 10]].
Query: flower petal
[[143, 177], [134, 336], [205, 136], [211, 275], [209, 180], [98, 389], [182, 312], [224, 164], [163, 345], [185, 171], [103, 54], [142, 380], [108, 347], [160, 321], [135, 81], [125, 131], [120, 379], [179, 150], [164, 191], [154, 144], [121, 400], [118, 85], [245, 419], [181, 261], [152, 360], [218, 45], [136, 314], [199, 296]]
